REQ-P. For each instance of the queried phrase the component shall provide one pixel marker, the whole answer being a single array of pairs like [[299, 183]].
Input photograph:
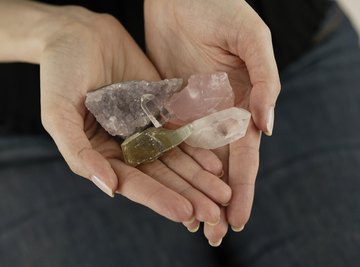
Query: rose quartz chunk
[[204, 95]]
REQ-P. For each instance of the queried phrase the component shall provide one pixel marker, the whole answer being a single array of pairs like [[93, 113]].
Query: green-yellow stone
[[150, 144]]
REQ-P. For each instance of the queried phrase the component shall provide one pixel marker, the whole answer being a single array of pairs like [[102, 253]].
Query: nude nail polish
[[237, 229], [216, 243], [102, 186], [270, 122], [195, 229]]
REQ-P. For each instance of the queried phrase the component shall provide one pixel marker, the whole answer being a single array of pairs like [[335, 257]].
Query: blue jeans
[[307, 203]]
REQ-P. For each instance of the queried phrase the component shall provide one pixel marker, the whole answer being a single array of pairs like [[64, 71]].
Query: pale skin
[[187, 36], [79, 50]]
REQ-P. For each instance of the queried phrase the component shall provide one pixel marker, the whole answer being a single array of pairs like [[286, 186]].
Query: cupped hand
[[90, 50], [185, 37]]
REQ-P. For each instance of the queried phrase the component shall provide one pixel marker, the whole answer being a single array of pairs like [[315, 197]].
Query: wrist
[[27, 27]]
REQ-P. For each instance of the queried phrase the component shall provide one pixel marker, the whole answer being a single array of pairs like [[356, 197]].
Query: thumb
[[254, 47]]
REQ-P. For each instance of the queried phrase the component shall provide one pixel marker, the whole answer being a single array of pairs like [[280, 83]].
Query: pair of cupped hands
[[183, 37]]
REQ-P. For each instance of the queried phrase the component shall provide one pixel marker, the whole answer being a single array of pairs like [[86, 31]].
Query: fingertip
[[102, 186], [99, 171], [263, 116], [178, 210], [270, 121]]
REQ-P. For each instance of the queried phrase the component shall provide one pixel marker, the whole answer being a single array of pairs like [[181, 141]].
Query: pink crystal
[[204, 95]]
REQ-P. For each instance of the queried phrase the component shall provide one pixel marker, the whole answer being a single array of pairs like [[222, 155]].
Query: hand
[[91, 50], [185, 37]]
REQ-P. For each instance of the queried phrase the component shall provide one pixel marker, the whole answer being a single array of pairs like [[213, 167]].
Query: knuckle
[[264, 31]]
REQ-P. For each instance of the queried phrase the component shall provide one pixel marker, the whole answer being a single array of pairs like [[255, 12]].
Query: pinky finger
[[216, 233]]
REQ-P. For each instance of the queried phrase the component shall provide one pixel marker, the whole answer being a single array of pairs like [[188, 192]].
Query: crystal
[[219, 129], [154, 110], [117, 107], [150, 144], [203, 95]]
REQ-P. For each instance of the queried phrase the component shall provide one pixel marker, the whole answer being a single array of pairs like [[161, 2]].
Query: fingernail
[[270, 122], [239, 229], [216, 243], [102, 186], [221, 174], [226, 204], [195, 229]]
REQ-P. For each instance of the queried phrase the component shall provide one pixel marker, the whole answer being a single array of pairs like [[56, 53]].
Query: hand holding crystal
[[208, 36], [79, 51]]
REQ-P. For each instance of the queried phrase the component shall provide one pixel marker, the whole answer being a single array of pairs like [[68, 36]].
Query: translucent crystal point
[[117, 107], [203, 95], [155, 111], [219, 129], [150, 144]]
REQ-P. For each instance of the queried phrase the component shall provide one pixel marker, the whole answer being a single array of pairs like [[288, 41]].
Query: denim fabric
[[307, 203]]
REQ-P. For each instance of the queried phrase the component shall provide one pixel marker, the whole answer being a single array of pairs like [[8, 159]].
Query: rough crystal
[[219, 129], [204, 95], [117, 107], [150, 144]]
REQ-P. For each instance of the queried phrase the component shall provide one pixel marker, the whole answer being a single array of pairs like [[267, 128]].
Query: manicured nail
[[102, 186], [195, 229], [270, 122], [216, 243], [226, 204], [239, 229]]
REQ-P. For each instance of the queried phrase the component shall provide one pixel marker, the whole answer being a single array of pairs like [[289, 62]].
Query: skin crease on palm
[[185, 37]]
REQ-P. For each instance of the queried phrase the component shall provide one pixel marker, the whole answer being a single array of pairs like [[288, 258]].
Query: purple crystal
[[117, 107]]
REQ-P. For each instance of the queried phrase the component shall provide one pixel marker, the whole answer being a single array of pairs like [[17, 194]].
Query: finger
[[205, 158], [216, 233], [144, 190], [75, 147], [243, 167], [254, 47], [205, 210], [192, 226], [193, 173]]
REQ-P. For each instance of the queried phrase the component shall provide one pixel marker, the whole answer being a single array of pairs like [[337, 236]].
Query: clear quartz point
[[219, 129], [150, 144], [154, 110]]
